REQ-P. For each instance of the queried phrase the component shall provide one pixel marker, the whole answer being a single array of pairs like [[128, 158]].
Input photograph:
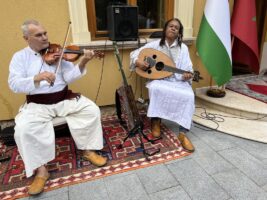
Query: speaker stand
[[134, 118]]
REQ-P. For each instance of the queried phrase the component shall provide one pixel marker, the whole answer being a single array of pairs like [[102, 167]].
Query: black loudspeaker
[[122, 22]]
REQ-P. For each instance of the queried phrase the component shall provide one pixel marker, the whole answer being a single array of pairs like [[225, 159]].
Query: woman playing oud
[[171, 98]]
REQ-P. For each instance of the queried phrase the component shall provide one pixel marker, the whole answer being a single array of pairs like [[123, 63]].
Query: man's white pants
[[34, 132]]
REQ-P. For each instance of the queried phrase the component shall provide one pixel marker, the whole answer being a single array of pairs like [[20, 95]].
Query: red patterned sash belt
[[52, 98]]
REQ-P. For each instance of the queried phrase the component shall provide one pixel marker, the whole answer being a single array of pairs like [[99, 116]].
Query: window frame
[[103, 35]]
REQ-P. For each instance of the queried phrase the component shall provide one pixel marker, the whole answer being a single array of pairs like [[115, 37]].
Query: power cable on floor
[[218, 118]]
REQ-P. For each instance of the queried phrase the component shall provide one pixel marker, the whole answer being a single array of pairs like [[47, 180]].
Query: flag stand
[[216, 92]]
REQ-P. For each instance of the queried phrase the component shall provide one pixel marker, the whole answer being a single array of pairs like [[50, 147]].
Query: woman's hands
[[187, 76], [141, 64]]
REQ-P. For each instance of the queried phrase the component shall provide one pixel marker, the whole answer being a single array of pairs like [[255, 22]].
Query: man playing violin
[[171, 98], [48, 97]]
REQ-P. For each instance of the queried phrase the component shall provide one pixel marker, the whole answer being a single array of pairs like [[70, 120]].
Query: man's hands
[[46, 76], [88, 55], [50, 77]]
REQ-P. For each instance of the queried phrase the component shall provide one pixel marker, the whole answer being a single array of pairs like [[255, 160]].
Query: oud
[[160, 65]]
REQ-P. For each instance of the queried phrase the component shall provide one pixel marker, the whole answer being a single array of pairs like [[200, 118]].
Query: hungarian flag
[[214, 40], [244, 31]]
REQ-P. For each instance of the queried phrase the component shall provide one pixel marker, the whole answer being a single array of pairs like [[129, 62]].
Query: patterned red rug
[[261, 89], [253, 86], [69, 168]]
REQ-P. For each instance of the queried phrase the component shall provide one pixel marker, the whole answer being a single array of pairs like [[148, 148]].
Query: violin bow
[[62, 53]]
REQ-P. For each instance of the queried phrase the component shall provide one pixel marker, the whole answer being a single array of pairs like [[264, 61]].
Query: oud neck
[[173, 69]]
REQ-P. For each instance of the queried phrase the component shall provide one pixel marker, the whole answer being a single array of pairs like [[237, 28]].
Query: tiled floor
[[223, 167]]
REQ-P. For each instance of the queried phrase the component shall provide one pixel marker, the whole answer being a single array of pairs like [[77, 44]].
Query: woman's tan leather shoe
[[185, 142], [155, 127], [37, 185]]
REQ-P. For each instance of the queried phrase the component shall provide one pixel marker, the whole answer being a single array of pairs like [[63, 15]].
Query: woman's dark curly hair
[[180, 36]]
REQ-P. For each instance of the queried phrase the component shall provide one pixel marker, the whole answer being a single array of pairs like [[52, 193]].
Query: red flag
[[244, 29]]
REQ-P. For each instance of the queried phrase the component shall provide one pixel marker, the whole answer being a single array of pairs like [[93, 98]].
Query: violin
[[70, 53]]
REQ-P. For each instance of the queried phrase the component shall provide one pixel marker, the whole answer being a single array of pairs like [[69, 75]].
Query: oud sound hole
[[149, 71], [154, 56], [159, 66]]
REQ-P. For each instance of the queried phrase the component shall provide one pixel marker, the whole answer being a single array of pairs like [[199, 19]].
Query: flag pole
[[210, 82], [232, 44]]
